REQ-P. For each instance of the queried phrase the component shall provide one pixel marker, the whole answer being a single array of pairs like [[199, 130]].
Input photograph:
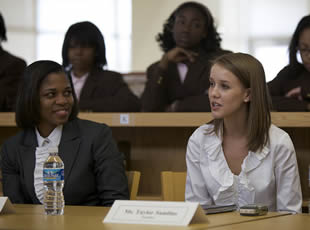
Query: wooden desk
[[83, 217], [289, 222], [155, 142], [281, 119]]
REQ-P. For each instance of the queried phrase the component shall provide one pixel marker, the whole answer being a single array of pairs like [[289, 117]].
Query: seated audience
[[46, 113], [11, 71], [290, 90], [97, 89], [240, 157], [179, 81]]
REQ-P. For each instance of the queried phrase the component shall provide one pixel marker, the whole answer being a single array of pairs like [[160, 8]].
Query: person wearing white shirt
[[240, 157]]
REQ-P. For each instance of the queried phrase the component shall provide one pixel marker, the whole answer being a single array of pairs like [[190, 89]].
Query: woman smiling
[[46, 112]]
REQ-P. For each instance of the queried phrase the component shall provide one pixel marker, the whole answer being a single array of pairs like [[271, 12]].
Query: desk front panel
[[153, 150], [79, 217], [154, 142]]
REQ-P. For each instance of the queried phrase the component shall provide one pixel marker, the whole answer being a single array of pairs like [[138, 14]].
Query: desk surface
[[78, 217], [289, 222], [281, 119]]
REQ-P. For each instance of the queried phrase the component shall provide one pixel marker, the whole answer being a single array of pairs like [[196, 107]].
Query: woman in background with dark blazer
[[290, 90], [11, 71], [46, 112], [180, 80], [97, 89]]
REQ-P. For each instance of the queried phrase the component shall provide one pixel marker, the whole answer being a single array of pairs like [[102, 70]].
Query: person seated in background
[[97, 89], [290, 90], [179, 81], [11, 71], [240, 157], [46, 113]]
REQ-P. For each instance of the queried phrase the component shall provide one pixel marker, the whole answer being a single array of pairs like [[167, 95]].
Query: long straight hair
[[251, 74], [85, 34]]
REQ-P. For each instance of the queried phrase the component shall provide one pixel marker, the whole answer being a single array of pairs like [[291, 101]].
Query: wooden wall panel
[[155, 142]]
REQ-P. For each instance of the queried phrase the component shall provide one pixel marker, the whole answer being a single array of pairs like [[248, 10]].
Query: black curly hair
[[211, 43]]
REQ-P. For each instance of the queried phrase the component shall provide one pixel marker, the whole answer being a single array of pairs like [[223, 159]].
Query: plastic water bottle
[[53, 180]]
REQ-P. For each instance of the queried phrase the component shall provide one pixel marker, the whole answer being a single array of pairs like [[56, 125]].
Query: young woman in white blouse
[[240, 157]]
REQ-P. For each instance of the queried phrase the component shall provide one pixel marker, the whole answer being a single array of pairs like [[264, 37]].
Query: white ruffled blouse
[[41, 155], [267, 177]]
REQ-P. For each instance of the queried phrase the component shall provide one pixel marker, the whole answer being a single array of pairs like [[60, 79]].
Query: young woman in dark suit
[[97, 89], [46, 113], [11, 71], [180, 80], [290, 90]]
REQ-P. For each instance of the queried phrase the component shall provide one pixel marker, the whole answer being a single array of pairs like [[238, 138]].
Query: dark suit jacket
[[11, 71], [106, 91], [288, 78], [165, 87], [94, 172]]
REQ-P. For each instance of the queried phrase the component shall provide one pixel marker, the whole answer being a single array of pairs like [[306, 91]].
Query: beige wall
[[19, 16], [148, 17]]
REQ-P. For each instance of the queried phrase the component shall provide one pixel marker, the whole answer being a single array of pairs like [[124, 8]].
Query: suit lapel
[[69, 146], [27, 156], [196, 70], [90, 85], [174, 83], [5, 60]]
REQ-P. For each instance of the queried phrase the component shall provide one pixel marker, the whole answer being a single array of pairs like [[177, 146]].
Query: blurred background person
[[180, 80], [11, 71], [290, 90], [97, 89]]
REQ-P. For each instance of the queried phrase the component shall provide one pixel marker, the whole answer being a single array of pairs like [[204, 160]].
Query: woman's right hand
[[176, 55], [294, 93]]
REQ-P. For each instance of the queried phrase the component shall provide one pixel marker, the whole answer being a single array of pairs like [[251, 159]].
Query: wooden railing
[[281, 119]]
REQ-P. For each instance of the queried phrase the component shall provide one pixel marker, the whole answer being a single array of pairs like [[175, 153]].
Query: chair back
[[1, 189], [133, 178], [173, 186]]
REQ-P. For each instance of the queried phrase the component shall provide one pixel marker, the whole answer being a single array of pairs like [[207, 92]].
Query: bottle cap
[[53, 149]]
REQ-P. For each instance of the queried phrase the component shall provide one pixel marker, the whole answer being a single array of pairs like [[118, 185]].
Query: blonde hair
[[251, 74]]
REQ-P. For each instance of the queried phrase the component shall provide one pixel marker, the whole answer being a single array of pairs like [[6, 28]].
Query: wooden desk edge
[[281, 119]]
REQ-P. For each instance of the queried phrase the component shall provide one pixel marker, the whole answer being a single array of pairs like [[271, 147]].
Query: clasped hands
[[177, 55]]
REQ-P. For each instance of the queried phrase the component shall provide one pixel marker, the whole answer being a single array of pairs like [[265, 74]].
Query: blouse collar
[[215, 151], [54, 136]]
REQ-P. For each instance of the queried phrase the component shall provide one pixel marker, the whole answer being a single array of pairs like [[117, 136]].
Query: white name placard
[[6, 205], [155, 212], [124, 119]]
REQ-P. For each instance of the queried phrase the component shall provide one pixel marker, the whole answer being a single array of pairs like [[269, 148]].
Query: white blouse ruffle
[[210, 180]]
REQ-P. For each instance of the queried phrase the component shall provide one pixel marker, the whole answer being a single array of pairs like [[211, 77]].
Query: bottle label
[[53, 174]]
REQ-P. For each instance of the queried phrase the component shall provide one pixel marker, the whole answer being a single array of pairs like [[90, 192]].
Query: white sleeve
[[289, 197], [195, 190]]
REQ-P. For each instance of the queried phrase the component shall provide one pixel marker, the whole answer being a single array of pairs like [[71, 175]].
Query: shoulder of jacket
[[87, 124]]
